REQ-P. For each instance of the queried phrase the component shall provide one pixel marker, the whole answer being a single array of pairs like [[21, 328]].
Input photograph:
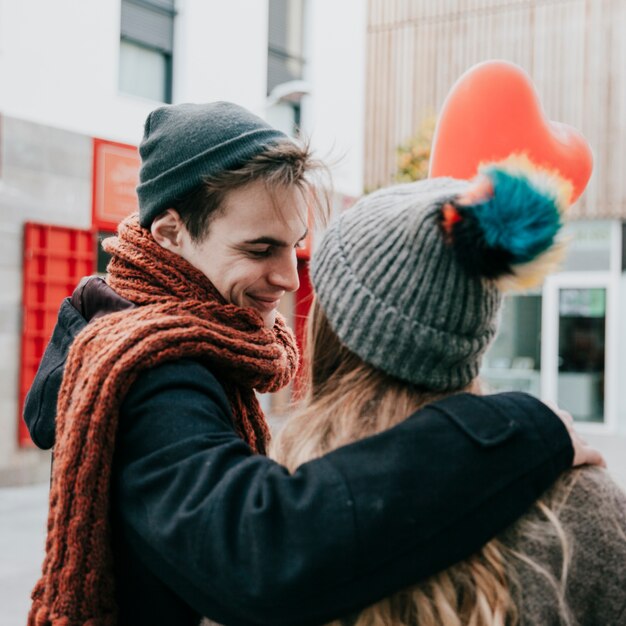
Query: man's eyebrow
[[271, 241]]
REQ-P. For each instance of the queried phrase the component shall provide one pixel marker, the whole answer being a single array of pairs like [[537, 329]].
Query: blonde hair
[[346, 399]]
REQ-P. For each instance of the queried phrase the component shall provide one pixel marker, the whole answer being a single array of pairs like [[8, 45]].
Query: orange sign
[[115, 178]]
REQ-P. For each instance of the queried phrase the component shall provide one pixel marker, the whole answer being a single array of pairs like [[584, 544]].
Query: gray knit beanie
[[408, 300], [184, 143]]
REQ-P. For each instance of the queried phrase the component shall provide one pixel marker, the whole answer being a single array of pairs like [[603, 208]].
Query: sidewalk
[[23, 513]]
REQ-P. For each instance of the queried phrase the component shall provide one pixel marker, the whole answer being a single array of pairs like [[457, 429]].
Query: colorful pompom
[[507, 226]]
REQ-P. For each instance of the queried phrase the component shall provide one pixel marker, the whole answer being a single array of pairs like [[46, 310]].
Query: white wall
[[221, 51], [333, 116], [59, 67], [59, 62]]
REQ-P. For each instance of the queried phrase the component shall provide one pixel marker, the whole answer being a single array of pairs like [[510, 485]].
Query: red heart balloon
[[493, 111]]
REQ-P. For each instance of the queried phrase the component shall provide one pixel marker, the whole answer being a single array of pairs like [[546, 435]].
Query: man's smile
[[264, 303]]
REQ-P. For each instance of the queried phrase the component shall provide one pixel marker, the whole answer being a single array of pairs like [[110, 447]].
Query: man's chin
[[269, 319], [265, 310]]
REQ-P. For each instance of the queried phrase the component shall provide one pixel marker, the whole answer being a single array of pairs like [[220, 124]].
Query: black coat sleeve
[[244, 542]]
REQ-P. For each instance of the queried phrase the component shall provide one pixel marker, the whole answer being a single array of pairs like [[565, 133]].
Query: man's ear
[[169, 230]]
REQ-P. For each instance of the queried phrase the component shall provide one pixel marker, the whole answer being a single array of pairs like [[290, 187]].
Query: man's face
[[249, 253]]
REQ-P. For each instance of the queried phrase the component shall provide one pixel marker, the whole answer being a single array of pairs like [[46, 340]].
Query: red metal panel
[[303, 300], [304, 251], [303, 297], [55, 259]]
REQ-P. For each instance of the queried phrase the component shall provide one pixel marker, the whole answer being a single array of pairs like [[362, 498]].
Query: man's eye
[[259, 254]]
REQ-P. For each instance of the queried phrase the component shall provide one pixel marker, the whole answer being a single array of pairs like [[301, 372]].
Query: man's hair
[[285, 164]]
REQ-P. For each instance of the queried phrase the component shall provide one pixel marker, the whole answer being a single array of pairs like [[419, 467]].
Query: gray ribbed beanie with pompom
[[396, 294], [184, 143]]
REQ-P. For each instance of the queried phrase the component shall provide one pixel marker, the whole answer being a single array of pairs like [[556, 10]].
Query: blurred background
[[363, 79]]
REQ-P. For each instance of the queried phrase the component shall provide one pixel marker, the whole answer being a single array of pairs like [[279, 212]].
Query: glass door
[[577, 356], [582, 352], [513, 362]]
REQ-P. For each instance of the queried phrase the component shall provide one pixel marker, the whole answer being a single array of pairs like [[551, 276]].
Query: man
[[160, 512]]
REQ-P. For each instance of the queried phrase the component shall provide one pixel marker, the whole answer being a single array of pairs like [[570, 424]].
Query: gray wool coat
[[591, 589]]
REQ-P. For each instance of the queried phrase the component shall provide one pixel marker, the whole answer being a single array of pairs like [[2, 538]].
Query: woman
[[409, 284]]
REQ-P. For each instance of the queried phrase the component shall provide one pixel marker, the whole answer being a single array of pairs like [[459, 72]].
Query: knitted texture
[[184, 143], [395, 293], [411, 277], [180, 315]]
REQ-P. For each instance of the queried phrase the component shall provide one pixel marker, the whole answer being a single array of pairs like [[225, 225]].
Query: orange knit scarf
[[181, 315]]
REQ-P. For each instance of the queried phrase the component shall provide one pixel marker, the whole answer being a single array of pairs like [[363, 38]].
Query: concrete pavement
[[23, 512]]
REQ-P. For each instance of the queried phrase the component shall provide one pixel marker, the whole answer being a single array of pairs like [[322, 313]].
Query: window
[[581, 359], [285, 52], [513, 362], [146, 44], [285, 62]]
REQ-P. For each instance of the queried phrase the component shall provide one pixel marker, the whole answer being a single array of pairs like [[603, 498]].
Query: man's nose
[[284, 274]]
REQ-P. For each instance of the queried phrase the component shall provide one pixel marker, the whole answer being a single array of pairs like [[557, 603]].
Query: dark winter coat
[[203, 527]]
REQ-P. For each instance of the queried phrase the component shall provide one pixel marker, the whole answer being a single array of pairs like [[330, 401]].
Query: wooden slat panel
[[573, 49]]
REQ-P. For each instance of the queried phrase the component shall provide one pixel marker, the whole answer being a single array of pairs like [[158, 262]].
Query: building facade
[[358, 78], [77, 80]]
